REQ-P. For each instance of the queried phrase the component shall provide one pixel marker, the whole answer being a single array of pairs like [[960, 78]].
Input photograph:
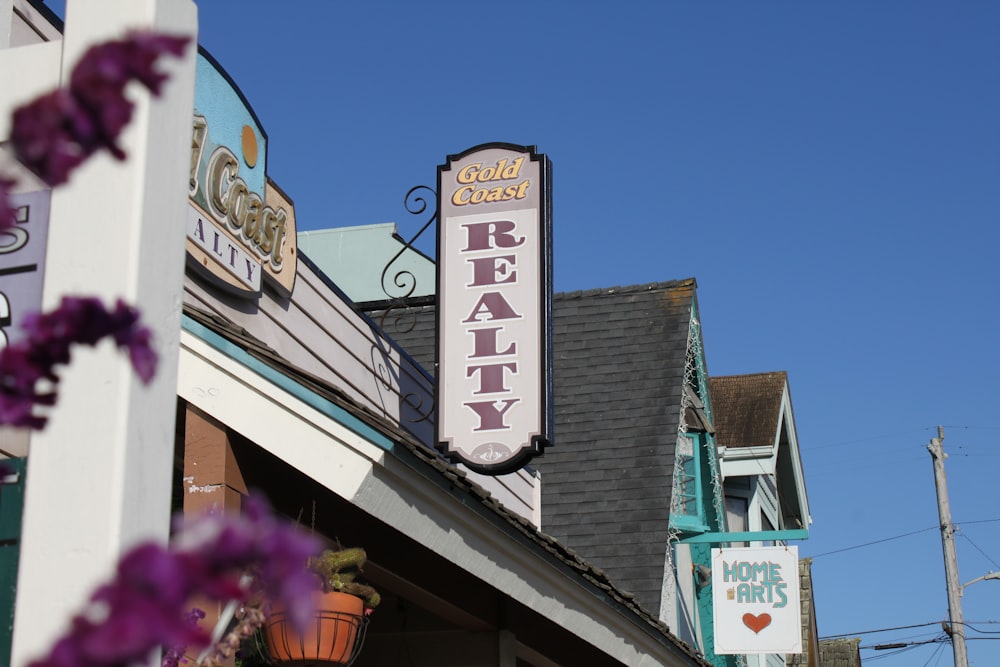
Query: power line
[[984, 632], [896, 537], [908, 645], [986, 555], [870, 632], [967, 624], [904, 649], [969, 523], [936, 654], [868, 544], [906, 432], [974, 428], [893, 645], [839, 465]]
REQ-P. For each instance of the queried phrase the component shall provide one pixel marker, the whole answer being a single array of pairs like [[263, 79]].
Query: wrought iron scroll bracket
[[420, 200], [416, 203]]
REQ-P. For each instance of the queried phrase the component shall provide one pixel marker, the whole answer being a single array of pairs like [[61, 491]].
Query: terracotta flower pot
[[330, 637]]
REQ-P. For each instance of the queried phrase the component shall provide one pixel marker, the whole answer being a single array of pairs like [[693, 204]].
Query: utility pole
[[957, 629]]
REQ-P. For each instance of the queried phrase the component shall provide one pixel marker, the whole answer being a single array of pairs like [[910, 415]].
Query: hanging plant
[[339, 572], [343, 604]]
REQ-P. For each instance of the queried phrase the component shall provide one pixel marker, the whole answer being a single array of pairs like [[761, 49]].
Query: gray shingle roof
[[619, 356], [619, 375]]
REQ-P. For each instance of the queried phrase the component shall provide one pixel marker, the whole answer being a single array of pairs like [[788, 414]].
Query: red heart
[[756, 623]]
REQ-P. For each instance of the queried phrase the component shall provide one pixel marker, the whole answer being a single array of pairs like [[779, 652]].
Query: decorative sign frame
[[755, 600], [494, 308]]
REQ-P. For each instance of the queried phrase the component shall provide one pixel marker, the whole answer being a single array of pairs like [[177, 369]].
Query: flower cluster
[[143, 607], [174, 655], [277, 553], [55, 133], [77, 320]]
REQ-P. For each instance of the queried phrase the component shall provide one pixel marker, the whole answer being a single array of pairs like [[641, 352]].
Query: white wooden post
[[6, 15], [99, 475]]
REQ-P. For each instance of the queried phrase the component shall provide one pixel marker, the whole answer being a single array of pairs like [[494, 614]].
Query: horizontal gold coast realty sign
[[240, 227], [755, 600], [494, 380]]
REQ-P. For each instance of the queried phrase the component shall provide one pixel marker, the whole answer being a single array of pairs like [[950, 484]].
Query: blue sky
[[828, 171]]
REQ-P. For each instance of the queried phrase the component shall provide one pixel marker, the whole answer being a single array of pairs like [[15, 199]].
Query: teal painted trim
[[714, 511], [701, 554], [747, 536], [688, 524], [698, 453], [328, 408]]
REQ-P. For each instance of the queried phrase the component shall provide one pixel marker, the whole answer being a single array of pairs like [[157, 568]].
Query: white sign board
[[755, 600], [494, 305]]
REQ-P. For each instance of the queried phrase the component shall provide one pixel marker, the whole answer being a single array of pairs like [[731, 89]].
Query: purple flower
[[174, 655], [143, 607], [55, 133], [275, 552], [77, 320], [18, 397], [138, 342]]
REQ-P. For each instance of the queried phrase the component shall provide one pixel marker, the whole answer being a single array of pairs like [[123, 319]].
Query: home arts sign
[[755, 600], [494, 406]]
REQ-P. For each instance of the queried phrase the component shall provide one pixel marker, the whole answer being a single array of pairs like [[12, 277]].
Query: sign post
[[100, 475]]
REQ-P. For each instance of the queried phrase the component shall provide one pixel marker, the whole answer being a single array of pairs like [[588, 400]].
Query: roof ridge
[[629, 289], [749, 375]]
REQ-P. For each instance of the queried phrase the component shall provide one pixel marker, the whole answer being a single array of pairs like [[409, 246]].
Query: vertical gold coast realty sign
[[240, 227], [494, 380], [755, 600]]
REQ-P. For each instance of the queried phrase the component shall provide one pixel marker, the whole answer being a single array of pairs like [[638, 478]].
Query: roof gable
[[620, 356], [755, 424], [746, 409]]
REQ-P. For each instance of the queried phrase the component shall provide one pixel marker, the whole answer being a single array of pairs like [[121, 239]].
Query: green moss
[[339, 571]]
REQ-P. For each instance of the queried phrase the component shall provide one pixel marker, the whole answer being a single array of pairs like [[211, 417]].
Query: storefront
[[285, 388]]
